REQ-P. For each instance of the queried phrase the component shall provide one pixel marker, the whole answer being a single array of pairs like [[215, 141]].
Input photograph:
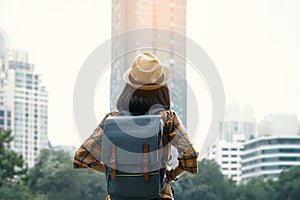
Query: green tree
[[288, 184], [11, 164], [256, 189], [208, 184], [11, 170], [53, 177], [13, 191]]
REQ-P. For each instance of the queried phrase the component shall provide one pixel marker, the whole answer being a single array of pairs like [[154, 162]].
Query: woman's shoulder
[[113, 113], [110, 114]]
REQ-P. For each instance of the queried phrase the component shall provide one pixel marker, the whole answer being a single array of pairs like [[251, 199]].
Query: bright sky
[[254, 44]]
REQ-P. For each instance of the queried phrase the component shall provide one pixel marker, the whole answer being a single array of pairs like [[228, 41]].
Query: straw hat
[[147, 72]]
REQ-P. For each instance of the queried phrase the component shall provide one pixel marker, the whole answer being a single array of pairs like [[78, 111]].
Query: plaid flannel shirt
[[89, 154]]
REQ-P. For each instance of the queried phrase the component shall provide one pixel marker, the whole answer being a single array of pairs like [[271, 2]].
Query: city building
[[279, 124], [267, 156], [239, 125], [228, 156], [5, 119], [276, 148], [135, 14], [5, 123], [24, 104]]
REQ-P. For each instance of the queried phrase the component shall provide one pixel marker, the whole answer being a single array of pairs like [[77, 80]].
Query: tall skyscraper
[[24, 104], [134, 14]]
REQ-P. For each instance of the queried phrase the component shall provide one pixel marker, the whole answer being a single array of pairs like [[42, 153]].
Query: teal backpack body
[[132, 153]]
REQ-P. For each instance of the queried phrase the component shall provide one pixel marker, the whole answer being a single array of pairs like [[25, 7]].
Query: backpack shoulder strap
[[146, 162]]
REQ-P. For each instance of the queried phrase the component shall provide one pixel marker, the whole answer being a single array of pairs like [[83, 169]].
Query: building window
[[28, 76]]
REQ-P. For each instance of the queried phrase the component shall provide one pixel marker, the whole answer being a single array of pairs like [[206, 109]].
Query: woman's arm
[[89, 154], [187, 155]]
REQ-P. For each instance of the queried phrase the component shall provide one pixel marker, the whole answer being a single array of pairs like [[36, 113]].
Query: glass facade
[[275, 141], [268, 156]]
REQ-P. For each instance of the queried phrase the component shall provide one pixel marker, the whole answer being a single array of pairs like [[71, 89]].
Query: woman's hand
[[170, 176]]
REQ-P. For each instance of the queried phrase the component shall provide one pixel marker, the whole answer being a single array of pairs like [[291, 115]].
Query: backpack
[[132, 155]]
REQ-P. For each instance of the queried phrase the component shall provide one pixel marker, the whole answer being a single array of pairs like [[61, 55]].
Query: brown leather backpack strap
[[146, 162], [113, 162]]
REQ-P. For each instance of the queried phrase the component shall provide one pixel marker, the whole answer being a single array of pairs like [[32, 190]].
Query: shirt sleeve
[[89, 154], [187, 155]]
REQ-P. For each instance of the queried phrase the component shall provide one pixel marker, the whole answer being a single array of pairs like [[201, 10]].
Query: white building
[[267, 156], [238, 126], [228, 157], [276, 148], [24, 101], [5, 119], [27, 99]]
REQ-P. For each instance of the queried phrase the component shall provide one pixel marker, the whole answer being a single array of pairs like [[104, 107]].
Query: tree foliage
[[53, 177], [11, 170], [256, 189], [208, 184], [11, 164], [288, 185]]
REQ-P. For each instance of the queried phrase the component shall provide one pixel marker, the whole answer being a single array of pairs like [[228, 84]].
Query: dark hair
[[138, 102]]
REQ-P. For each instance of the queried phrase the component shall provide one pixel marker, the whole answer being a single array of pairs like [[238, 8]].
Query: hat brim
[[167, 75]]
